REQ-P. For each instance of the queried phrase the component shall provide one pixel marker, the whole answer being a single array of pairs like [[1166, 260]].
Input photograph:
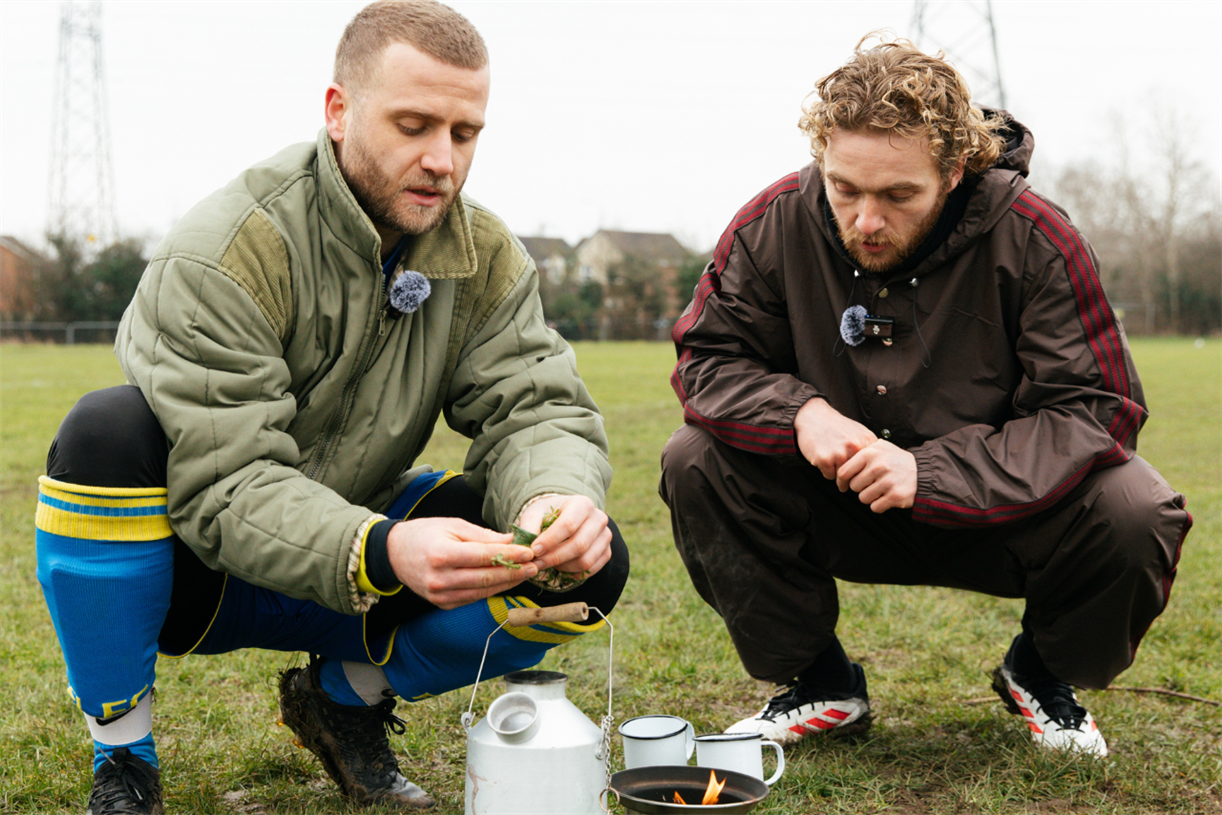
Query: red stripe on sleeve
[[1096, 314]]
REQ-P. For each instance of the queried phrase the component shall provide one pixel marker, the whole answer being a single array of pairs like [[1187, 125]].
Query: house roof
[[542, 248], [646, 245], [20, 249]]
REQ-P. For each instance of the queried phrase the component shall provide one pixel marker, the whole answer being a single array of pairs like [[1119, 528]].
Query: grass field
[[935, 748]]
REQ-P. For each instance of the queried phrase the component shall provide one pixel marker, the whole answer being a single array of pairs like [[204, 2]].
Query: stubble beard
[[904, 249], [381, 197]]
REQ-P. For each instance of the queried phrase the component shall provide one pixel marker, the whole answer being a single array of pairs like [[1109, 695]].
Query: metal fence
[[59, 333]]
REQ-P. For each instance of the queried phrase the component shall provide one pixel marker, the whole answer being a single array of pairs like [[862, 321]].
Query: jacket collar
[[447, 252]]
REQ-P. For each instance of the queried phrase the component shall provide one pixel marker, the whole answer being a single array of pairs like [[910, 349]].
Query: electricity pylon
[[965, 31], [82, 179]]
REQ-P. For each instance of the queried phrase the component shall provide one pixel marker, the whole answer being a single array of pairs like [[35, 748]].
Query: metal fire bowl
[[642, 790]]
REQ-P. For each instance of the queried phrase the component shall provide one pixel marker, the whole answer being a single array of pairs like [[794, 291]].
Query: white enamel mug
[[740, 752], [653, 740]]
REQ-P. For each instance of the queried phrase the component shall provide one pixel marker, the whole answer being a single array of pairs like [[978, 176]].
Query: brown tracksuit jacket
[[1008, 376]]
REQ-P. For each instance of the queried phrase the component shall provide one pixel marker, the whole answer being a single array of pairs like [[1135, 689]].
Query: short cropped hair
[[895, 88], [428, 26]]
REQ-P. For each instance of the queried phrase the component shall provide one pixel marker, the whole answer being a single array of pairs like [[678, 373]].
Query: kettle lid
[[536, 678]]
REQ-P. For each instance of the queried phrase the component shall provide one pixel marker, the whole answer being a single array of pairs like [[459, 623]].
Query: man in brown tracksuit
[[900, 367]]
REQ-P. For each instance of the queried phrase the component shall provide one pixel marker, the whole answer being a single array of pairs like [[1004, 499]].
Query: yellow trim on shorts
[[208, 628]]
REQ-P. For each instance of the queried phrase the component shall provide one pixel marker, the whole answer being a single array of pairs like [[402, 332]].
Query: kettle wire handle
[[569, 612]]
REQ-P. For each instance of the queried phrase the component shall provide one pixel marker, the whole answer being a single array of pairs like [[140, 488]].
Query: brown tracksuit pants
[[763, 538]]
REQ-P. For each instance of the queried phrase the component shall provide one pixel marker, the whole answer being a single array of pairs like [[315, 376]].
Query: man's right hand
[[827, 438], [449, 562]]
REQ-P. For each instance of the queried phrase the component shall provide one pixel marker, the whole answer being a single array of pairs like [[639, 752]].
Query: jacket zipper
[[365, 355]]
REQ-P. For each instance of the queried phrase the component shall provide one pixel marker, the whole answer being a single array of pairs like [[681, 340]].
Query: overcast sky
[[648, 116]]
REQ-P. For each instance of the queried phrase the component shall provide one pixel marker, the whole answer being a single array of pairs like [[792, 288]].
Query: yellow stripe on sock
[[106, 492], [102, 513], [553, 633]]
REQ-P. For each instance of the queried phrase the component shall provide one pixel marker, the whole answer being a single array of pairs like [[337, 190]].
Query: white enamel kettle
[[535, 752]]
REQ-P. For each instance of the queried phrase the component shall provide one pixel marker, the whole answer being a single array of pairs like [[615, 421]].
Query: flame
[[679, 799], [714, 790]]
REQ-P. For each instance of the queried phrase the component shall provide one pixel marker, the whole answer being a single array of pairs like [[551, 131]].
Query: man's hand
[[827, 438], [579, 540], [449, 562], [883, 476]]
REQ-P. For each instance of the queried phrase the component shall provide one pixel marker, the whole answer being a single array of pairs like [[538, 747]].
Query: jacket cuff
[[925, 470], [360, 600]]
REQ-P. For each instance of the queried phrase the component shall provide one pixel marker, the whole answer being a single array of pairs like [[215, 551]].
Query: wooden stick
[[984, 700], [1166, 692], [981, 700], [568, 613]]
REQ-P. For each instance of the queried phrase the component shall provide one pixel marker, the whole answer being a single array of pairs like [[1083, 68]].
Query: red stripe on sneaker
[[1035, 728], [1026, 713], [839, 715], [822, 725], [797, 728], [1018, 697]]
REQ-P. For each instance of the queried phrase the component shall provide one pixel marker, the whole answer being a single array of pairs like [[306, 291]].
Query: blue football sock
[[106, 565], [336, 684]]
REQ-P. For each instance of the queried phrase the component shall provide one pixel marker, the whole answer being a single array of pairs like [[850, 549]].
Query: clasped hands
[[451, 562], [883, 475]]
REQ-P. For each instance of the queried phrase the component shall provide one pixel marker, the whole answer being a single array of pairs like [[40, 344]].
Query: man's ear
[[956, 175], [337, 110]]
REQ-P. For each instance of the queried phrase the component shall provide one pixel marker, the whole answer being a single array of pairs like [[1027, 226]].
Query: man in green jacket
[[288, 352]]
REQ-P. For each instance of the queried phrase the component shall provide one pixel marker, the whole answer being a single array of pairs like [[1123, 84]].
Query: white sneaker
[[799, 710], [1053, 715]]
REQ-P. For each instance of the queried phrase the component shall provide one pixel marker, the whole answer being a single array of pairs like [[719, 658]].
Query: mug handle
[[780, 760], [690, 738]]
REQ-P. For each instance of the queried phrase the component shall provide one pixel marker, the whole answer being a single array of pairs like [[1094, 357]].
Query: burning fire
[[711, 793]]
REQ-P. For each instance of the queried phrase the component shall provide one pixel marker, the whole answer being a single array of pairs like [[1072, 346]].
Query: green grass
[[927, 651]]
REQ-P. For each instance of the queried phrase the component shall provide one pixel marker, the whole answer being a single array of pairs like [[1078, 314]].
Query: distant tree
[[573, 309], [689, 276], [636, 299], [70, 288], [1155, 228]]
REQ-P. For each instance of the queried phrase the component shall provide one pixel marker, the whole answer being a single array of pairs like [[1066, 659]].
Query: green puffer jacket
[[295, 405]]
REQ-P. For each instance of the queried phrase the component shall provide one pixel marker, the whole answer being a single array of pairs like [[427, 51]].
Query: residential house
[[551, 256], [598, 255], [18, 265]]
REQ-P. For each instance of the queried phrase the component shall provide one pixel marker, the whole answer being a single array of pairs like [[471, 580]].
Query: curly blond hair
[[895, 88]]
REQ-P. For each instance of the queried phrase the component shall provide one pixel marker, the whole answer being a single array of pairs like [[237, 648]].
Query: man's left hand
[[579, 540], [883, 476]]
